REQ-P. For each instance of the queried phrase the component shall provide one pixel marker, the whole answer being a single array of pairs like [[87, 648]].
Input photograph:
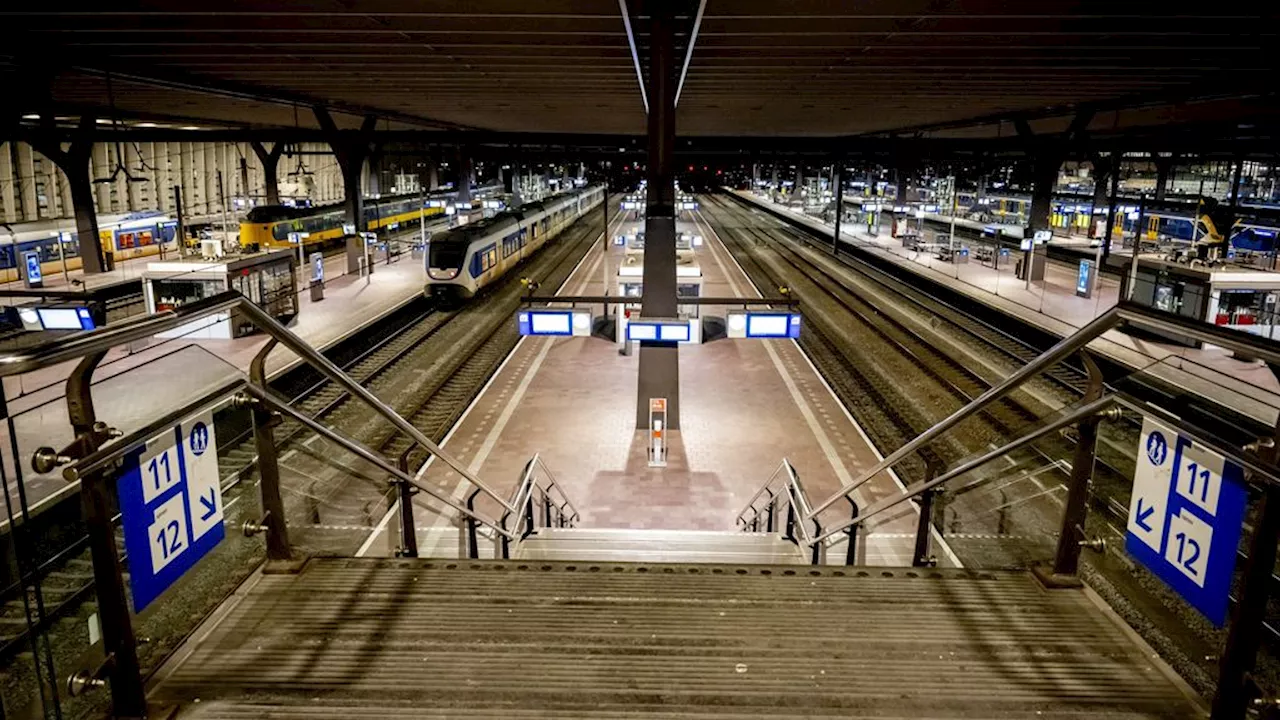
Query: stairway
[[665, 546], [521, 639]]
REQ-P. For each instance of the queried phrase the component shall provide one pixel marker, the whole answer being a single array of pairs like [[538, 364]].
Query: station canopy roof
[[757, 67]]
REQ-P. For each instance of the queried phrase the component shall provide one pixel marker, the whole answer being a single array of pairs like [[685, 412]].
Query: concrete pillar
[[464, 176], [351, 149], [797, 190], [433, 175], [1164, 168], [52, 189], [27, 183], [8, 201], [67, 207], [159, 175], [1102, 169], [209, 177], [100, 167], [773, 182], [659, 375], [1044, 170]]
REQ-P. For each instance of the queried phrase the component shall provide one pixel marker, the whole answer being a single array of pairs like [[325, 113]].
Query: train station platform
[[1247, 387], [745, 405], [140, 382]]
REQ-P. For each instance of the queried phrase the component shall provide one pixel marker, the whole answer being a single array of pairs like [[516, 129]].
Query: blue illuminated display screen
[[773, 325], [639, 331], [545, 323], [677, 333]]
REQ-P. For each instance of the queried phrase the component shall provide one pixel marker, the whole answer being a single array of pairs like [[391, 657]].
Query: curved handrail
[[523, 492]]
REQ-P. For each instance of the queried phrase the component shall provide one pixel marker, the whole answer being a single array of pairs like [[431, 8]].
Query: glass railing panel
[[334, 500]]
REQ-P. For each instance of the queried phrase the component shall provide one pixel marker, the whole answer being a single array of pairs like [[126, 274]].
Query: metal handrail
[[523, 493], [82, 344], [796, 496], [1126, 312], [1086, 410]]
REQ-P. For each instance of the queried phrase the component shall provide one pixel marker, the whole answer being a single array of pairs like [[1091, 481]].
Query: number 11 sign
[[1185, 517], [171, 506]]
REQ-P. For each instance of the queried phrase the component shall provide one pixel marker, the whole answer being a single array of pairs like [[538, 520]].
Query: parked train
[[268, 226], [124, 236], [465, 259]]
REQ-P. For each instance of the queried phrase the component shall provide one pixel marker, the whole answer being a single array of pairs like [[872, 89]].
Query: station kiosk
[[268, 279], [630, 283]]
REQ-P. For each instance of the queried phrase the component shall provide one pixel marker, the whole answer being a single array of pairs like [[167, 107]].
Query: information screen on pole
[[170, 506], [574, 321], [1185, 517]]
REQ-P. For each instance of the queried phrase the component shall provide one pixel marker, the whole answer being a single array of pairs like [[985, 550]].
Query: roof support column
[[8, 211], [74, 163], [1164, 169], [270, 160], [1044, 169], [837, 179], [463, 186], [773, 182], [659, 375], [351, 149], [1103, 167]]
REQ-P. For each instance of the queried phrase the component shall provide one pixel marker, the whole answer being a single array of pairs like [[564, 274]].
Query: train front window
[[447, 255]]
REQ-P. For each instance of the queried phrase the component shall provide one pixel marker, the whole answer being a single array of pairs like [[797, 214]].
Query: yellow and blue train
[[269, 226], [125, 236], [465, 259]]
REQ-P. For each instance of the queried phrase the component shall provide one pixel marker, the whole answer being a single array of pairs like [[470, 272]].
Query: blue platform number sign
[[34, 276], [1185, 517], [1083, 277], [317, 267], [171, 506]]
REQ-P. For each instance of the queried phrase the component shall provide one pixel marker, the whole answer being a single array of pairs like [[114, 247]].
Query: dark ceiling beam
[[172, 80], [1217, 139], [1128, 102]]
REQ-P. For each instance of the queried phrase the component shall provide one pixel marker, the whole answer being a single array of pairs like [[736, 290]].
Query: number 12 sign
[[1185, 517], [171, 506]]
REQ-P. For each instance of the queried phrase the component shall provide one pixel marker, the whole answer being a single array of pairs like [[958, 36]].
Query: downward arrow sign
[[1141, 520], [211, 504]]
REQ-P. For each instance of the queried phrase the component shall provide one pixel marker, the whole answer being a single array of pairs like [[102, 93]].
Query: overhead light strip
[[635, 55], [688, 55]]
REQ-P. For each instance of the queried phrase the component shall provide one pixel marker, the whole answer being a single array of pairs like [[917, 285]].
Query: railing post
[[922, 557], [851, 549], [119, 643], [790, 533], [280, 557], [1066, 562], [1231, 699], [528, 516], [769, 518], [473, 540], [816, 548], [408, 533], [546, 510]]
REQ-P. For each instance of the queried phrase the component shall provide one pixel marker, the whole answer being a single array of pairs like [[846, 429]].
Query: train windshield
[[447, 255]]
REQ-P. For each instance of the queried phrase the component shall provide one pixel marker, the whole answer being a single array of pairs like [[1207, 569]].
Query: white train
[[467, 258]]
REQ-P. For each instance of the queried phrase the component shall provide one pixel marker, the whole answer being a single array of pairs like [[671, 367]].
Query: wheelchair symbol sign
[[199, 438], [1157, 448]]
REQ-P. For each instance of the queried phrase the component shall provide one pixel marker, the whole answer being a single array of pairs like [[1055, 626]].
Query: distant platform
[[138, 383], [1249, 388]]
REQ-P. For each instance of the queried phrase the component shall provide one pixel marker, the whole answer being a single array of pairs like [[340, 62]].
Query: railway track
[[342, 498], [917, 384]]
